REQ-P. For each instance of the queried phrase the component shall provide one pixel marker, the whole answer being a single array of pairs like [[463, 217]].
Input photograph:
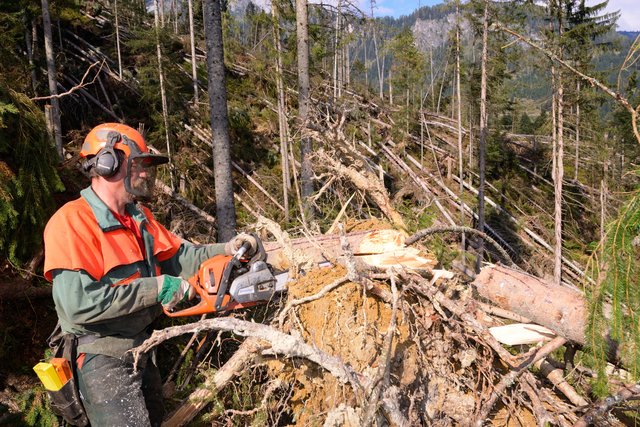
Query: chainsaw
[[225, 283]]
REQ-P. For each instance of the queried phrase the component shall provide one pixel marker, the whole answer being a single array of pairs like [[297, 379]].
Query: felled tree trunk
[[556, 307], [247, 352], [381, 248], [559, 308]]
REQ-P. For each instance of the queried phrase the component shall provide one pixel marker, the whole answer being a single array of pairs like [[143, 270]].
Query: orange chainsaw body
[[207, 283]]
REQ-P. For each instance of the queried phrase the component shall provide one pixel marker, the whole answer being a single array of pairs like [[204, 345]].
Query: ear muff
[[106, 162]]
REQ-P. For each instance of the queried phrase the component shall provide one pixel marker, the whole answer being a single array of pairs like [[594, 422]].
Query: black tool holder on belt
[[66, 402]]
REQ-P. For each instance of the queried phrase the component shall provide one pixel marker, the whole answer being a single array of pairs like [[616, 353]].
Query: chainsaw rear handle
[[204, 306], [211, 303]]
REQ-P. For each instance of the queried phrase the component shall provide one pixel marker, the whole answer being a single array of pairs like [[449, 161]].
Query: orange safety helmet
[[98, 137], [99, 150]]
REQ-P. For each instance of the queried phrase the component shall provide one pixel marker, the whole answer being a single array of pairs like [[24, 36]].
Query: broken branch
[[79, 86]]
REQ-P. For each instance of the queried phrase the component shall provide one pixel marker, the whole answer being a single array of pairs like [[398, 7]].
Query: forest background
[[520, 116]]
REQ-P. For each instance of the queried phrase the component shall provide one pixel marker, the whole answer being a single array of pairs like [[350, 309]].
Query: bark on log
[[559, 308]]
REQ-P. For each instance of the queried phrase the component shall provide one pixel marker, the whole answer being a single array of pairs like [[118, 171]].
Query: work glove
[[173, 290], [236, 243]]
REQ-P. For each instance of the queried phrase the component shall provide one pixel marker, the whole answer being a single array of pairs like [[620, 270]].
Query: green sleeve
[[82, 300], [187, 260]]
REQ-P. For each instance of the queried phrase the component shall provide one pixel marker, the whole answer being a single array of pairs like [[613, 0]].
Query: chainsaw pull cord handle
[[224, 283]]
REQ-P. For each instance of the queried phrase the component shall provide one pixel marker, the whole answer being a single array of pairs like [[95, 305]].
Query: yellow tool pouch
[[66, 401]]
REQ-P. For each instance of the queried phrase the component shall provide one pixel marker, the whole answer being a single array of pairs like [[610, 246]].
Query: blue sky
[[397, 8], [629, 19]]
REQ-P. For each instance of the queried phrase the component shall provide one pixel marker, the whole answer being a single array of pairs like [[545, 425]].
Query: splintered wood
[[385, 248], [378, 248]]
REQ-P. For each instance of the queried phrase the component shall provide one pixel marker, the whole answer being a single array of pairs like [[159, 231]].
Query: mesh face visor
[[141, 171]]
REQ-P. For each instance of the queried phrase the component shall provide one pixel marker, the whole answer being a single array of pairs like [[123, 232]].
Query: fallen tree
[[356, 344], [559, 308]]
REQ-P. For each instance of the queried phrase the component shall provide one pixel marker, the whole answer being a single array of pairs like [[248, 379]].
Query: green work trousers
[[114, 394]]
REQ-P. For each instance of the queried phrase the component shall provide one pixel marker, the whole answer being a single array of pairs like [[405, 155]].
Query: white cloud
[[630, 13]]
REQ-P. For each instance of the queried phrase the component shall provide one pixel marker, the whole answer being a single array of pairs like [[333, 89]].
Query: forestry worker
[[113, 268]]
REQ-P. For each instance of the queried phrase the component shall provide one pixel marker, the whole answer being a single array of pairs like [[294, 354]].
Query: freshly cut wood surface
[[385, 248], [521, 333], [381, 248]]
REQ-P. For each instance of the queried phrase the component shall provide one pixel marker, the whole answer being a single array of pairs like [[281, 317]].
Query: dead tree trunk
[[390, 79], [376, 51], [336, 51], [577, 159], [558, 176], [603, 200], [459, 111], [51, 72], [302, 35], [225, 208], [163, 95], [194, 68], [483, 131], [283, 126], [29, 44], [115, 11]]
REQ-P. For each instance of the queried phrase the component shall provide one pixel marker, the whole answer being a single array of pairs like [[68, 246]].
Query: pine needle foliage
[[36, 409], [28, 177], [617, 276]]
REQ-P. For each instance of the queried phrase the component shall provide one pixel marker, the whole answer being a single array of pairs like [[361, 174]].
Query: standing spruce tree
[[408, 66], [225, 208], [584, 25], [28, 173]]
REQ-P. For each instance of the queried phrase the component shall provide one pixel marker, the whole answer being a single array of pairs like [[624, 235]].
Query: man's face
[[142, 176]]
